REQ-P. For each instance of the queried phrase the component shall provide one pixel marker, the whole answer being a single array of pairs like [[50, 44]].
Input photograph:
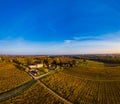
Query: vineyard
[[95, 70], [34, 95], [11, 77], [81, 91], [84, 82]]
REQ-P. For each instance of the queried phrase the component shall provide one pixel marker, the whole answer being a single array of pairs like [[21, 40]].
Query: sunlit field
[[84, 91], [81, 82], [11, 77], [36, 94], [95, 70]]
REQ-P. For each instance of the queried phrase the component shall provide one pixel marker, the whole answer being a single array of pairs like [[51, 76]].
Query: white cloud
[[110, 44], [67, 41], [115, 36]]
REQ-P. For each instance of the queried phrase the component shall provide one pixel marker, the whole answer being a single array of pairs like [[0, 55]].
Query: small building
[[33, 72], [52, 66]]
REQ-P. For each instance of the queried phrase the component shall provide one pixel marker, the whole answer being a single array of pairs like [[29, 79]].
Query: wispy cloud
[[106, 43], [90, 36]]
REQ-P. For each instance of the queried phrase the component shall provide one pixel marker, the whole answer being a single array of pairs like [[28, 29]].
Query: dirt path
[[53, 93]]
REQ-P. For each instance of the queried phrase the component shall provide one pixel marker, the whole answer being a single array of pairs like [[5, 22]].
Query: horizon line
[[59, 54]]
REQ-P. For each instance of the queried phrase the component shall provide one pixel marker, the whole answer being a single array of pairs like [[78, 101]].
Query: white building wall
[[39, 65]]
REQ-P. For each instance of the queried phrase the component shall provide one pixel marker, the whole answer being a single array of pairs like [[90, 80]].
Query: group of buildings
[[33, 69]]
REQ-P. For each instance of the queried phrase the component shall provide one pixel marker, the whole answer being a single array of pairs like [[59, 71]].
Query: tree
[[45, 63], [54, 62]]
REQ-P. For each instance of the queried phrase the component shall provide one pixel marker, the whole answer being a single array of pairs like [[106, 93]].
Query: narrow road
[[24, 87], [18, 90], [41, 76], [53, 93]]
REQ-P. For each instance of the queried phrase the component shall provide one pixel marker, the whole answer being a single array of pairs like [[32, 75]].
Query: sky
[[51, 27]]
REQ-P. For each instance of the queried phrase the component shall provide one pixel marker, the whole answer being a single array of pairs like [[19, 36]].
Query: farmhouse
[[39, 65], [35, 66], [32, 66]]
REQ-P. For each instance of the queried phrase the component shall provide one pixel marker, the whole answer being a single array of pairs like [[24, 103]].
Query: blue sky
[[59, 26]]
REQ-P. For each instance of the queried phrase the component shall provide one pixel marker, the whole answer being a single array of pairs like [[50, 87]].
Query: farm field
[[86, 82], [83, 91], [95, 70], [11, 77], [36, 94]]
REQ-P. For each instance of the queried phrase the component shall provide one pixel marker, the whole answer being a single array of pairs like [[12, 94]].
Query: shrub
[[46, 70]]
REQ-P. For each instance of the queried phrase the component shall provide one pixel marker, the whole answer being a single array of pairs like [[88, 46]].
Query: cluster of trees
[[61, 62], [22, 62], [107, 59], [5, 59]]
